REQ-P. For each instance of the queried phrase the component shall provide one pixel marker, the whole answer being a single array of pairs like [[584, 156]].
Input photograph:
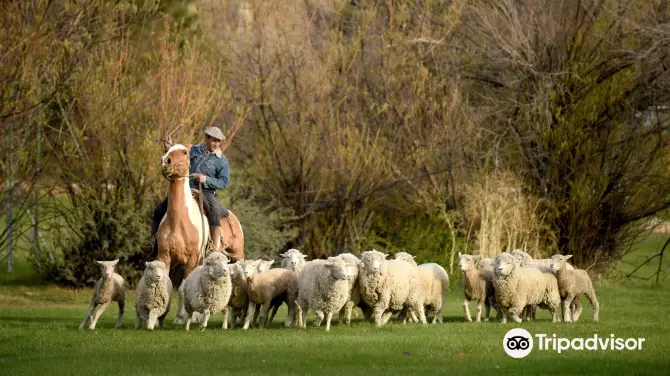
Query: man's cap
[[215, 132]]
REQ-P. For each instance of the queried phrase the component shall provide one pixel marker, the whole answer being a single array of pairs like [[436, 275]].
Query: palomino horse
[[183, 233]]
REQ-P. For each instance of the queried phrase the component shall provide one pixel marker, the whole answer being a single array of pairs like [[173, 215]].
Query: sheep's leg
[[274, 312], [418, 308], [329, 316], [576, 309], [298, 313], [319, 317], [262, 317], [138, 321], [188, 321], [378, 314], [504, 316], [97, 314], [487, 309], [386, 317], [181, 310], [256, 313], [591, 296], [205, 319], [225, 317], [152, 321], [566, 308], [88, 314], [303, 320], [250, 315], [122, 305], [514, 312], [466, 308], [480, 306], [438, 315]]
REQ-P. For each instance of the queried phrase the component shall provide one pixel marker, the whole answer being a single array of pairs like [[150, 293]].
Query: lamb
[[477, 284], [153, 296], [264, 287], [389, 286], [238, 302], [207, 289], [323, 285], [354, 299], [527, 260], [293, 260], [572, 284], [109, 288], [517, 286], [434, 286]]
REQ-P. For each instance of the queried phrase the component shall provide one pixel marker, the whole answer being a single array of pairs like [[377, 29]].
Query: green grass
[[39, 335]]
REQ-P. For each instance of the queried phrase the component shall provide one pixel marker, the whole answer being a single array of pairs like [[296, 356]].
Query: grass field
[[39, 335]]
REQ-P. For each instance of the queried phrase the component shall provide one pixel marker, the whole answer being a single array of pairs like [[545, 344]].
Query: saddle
[[196, 196]]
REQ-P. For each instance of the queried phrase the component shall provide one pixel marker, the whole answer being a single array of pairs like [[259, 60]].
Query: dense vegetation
[[429, 127]]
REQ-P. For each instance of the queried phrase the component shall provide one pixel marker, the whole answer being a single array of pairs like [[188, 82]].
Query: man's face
[[212, 143]]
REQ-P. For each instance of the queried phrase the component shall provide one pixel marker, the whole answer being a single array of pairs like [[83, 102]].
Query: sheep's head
[[405, 257], [523, 257], [264, 265], [249, 267], [352, 264], [486, 264], [107, 267], [293, 260], [373, 261], [338, 268], [154, 271], [467, 262], [216, 265], [558, 262], [505, 264]]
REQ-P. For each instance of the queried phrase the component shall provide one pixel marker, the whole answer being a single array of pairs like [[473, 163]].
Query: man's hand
[[199, 177], [167, 142]]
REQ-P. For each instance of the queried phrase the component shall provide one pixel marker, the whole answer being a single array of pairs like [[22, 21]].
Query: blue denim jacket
[[213, 165]]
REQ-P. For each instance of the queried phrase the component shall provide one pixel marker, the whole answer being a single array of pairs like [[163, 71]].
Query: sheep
[[264, 287], [434, 286], [293, 260], [153, 296], [238, 302], [477, 284], [389, 286], [517, 286], [109, 288], [528, 260], [485, 267], [354, 299], [207, 289], [323, 285], [572, 284]]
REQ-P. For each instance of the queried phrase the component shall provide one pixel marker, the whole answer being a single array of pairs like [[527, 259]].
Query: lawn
[[39, 335]]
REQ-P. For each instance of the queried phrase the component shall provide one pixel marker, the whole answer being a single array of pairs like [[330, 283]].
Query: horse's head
[[176, 162]]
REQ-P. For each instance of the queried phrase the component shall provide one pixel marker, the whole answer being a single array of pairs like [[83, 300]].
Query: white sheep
[[264, 287], [354, 299], [572, 284], [109, 288], [207, 289], [238, 302], [517, 286], [434, 286], [293, 260], [153, 296], [323, 286], [528, 260], [477, 285], [389, 286]]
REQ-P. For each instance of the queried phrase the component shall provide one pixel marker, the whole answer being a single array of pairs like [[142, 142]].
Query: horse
[[183, 232]]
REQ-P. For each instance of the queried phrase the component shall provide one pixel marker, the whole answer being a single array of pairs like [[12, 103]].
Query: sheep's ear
[[413, 257], [282, 254], [568, 256], [99, 262], [146, 263], [385, 255], [115, 262], [460, 254], [304, 257]]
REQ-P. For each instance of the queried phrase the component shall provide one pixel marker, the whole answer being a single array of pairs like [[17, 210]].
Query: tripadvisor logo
[[518, 343]]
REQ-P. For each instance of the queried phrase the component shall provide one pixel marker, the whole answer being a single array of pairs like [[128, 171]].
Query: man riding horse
[[211, 168]]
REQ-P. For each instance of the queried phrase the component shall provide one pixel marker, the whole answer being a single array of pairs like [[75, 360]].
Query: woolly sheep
[[477, 285], [354, 299], [389, 286], [572, 284], [517, 286], [207, 289], [528, 260], [434, 286], [323, 285], [264, 287], [293, 260], [153, 296], [109, 288]]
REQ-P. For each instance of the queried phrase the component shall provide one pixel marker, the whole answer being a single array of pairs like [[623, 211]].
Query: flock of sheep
[[513, 283]]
